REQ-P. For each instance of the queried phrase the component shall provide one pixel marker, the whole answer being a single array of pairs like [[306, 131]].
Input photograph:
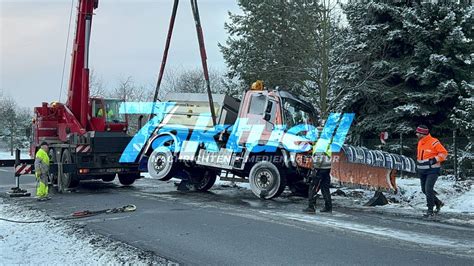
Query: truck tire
[[69, 180], [127, 179], [108, 178], [161, 164], [204, 180], [265, 180]]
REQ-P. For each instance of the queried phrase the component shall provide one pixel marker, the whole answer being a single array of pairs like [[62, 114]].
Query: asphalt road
[[229, 226]]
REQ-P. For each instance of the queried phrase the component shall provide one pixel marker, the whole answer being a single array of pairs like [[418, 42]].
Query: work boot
[[310, 209], [43, 198], [429, 213], [326, 209], [439, 204]]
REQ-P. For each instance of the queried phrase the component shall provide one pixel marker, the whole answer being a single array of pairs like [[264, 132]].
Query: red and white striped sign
[[83, 148], [23, 169]]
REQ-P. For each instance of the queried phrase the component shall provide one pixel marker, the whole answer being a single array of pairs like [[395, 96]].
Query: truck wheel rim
[[160, 163], [265, 179]]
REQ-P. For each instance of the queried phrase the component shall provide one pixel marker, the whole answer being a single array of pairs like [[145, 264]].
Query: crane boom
[[78, 92]]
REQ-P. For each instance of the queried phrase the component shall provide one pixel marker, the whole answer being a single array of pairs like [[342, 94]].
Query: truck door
[[98, 114]]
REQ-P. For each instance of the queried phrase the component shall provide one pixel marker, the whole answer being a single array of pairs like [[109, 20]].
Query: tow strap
[[87, 213]]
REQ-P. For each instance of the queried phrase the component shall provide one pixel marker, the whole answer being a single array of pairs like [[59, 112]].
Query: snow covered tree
[[272, 41], [297, 45], [463, 119], [14, 123], [409, 64], [463, 115]]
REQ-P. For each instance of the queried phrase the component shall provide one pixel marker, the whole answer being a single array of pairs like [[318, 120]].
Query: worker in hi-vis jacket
[[320, 179], [42, 172], [430, 155]]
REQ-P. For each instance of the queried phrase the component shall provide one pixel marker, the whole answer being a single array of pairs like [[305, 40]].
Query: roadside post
[[19, 170]]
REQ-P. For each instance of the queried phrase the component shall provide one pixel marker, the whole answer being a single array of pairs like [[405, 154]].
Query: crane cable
[[165, 56], [65, 51]]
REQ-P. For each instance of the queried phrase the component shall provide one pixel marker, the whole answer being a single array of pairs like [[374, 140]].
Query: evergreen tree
[[409, 64], [272, 41]]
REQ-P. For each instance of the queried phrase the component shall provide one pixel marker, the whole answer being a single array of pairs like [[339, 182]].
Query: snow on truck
[[246, 141]]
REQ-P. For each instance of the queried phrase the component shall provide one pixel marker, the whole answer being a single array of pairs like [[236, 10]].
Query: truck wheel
[[108, 178], [161, 164], [69, 180], [265, 180], [127, 179], [204, 180]]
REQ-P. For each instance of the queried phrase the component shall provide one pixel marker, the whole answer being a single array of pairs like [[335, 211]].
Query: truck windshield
[[112, 111], [295, 114]]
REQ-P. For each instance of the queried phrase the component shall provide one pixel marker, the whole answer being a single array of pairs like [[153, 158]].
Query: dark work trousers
[[320, 180], [428, 179]]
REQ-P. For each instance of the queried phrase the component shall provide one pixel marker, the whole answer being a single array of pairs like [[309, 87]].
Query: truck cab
[[106, 116]]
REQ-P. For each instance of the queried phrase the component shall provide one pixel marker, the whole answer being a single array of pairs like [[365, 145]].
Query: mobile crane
[[87, 133]]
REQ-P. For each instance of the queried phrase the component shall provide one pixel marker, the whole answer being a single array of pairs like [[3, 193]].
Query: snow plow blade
[[372, 169]]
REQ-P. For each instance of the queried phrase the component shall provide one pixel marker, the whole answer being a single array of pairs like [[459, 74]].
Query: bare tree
[[329, 58], [96, 85], [192, 80]]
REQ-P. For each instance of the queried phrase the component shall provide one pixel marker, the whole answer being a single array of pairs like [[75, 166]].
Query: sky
[[128, 38]]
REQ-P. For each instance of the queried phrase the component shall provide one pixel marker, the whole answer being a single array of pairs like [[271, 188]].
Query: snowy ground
[[57, 243], [458, 197]]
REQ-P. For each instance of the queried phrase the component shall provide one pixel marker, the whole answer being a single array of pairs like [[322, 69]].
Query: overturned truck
[[252, 140]]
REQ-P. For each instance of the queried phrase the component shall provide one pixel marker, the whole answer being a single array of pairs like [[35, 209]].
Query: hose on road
[[79, 214], [22, 222]]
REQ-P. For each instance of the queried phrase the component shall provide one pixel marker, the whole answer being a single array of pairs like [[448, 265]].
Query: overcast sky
[[127, 40]]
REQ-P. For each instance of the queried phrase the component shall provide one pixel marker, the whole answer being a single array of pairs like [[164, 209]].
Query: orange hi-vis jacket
[[428, 148]]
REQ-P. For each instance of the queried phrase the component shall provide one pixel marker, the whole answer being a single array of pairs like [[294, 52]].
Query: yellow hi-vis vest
[[322, 160], [41, 166]]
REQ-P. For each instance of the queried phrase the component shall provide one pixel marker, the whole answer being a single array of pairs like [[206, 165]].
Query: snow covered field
[[6, 155], [57, 243], [457, 196]]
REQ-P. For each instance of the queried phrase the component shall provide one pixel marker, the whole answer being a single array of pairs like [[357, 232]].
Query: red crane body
[[89, 132]]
